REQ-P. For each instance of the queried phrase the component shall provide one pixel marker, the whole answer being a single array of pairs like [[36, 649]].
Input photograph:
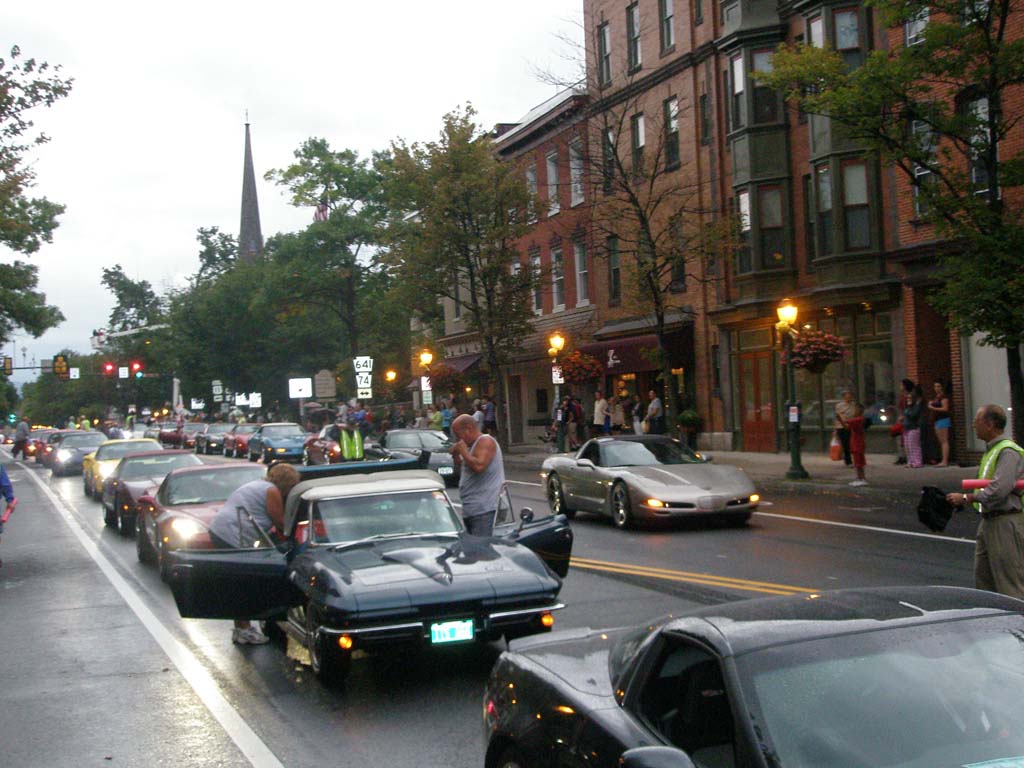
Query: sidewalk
[[770, 469]]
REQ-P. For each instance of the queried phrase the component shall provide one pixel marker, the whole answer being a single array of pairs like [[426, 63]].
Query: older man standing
[[998, 549], [482, 476]]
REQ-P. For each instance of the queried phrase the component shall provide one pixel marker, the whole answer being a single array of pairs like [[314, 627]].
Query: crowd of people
[[613, 415]]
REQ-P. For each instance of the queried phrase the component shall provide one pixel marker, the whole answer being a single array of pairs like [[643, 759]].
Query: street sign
[[428, 397], [363, 364], [218, 398], [255, 400], [218, 389], [299, 388], [363, 381], [122, 372], [241, 399], [425, 384], [794, 414], [364, 394], [74, 373], [198, 405], [324, 385], [556, 375]]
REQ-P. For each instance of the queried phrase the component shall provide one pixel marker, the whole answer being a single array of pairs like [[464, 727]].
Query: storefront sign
[[556, 375]]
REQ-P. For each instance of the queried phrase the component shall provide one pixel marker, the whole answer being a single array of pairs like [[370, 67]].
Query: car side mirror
[[585, 463], [655, 757], [525, 517]]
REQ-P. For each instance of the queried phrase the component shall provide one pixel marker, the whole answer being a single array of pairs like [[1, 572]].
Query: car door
[[550, 536], [231, 583], [588, 481]]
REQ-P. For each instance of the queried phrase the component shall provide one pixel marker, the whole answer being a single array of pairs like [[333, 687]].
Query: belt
[[990, 513]]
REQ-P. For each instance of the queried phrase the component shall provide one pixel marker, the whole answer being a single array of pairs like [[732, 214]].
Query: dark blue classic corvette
[[381, 558], [280, 441]]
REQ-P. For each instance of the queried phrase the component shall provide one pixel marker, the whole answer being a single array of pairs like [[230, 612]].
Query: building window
[[668, 34], [531, 186], [579, 251], [738, 78], [743, 263], [538, 295], [978, 108], [816, 32], [633, 37], [614, 270], [705, 119], [847, 30], [542, 401], [773, 236], [913, 29], [856, 217], [808, 218], [557, 279], [766, 103], [604, 54], [823, 189], [925, 138], [636, 124], [608, 164], [575, 172], [726, 86], [552, 168], [698, 12], [671, 107]]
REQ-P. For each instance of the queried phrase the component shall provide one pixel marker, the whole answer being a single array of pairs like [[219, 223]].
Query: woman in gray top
[[260, 502]]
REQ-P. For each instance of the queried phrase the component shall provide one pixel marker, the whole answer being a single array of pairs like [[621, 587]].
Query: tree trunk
[[1013, 364]]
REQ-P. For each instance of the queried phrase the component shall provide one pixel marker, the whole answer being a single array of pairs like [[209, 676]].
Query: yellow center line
[[666, 574]]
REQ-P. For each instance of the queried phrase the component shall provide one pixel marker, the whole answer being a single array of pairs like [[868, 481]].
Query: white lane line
[[255, 751], [523, 482], [875, 528]]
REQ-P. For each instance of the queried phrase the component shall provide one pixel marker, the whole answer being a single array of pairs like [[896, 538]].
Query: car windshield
[[385, 514], [285, 430], [120, 450], [136, 467], [90, 440], [212, 485], [435, 441], [190, 427], [216, 429], [637, 453], [939, 695], [245, 429]]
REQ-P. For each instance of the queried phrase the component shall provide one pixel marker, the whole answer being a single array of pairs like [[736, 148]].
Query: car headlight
[[186, 528], [106, 470], [654, 503], [282, 450], [63, 454]]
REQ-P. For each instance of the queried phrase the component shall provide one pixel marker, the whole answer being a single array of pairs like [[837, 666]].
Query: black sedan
[[210, 439], [71, 449], [381, 560], [416, 441], [915, 677]]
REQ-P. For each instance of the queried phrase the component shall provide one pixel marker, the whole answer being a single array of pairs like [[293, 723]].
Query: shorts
[[944, 423], [859, 460]]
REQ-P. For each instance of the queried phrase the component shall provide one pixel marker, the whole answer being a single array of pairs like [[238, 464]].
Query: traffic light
[[109, 368], [11, 418], [8, 366], [136, 369]]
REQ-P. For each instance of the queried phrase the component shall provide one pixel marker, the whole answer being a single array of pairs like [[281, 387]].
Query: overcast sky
[[148, 146]]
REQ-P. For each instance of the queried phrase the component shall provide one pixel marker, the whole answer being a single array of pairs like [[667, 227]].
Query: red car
[[135, 476], [36, 441], [178, 514], [183, 437], [236, 442]]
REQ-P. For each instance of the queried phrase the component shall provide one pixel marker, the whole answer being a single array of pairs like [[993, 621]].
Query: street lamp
[[390, 375], [556, 343], [426, 358], [787, 313]]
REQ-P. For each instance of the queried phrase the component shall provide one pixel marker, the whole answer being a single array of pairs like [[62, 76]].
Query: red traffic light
[[136, 368], [108, 368]]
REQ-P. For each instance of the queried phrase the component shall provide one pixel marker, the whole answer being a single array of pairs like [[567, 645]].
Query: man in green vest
[[999, 548]]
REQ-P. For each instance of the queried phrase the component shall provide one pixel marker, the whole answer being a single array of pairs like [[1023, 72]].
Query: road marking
[[875, 528], [706, 579], [524, 482], [255, 751]]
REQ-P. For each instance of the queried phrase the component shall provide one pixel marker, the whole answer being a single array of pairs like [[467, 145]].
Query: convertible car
[[916, 677], [179, 513], [645, 477], [135, 475], [376, 560], [280, 441], [210, 439], [98, 466]]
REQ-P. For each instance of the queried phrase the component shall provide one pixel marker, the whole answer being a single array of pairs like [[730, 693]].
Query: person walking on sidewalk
[[912, 428], [844, 412], [999, 546], [482, 476], [857, 443]]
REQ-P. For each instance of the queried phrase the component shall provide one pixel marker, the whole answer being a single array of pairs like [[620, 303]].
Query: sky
[[148, 146]]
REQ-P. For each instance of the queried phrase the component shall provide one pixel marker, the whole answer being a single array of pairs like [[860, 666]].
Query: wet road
[[99, 670]]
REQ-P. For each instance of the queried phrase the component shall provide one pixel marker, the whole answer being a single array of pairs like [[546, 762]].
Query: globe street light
[[426, 358], [390, 375], [787, 312]]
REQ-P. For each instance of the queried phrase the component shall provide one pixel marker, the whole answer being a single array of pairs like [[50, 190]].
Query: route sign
[[428, 398], [364, 394], [363, 380], [363, 364]]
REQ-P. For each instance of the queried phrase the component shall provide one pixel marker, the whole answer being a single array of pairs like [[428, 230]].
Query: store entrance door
[[758, 410]]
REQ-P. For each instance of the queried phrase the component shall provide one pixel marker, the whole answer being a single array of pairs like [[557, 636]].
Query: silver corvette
[[645, 477]]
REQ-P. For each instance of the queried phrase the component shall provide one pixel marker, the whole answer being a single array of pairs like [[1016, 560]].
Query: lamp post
[[556, 343], [787, 313], [426, 358]]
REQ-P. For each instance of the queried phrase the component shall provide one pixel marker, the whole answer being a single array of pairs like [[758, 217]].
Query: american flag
[[322, 212]]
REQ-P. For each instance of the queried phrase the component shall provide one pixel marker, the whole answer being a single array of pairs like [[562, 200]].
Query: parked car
[[179, 512], [210, 439], [98, 466], [278, 441], [71, 449], [646, 477], [380, 558], [236, 442], [136, 475], [897, 676], [415, 441]]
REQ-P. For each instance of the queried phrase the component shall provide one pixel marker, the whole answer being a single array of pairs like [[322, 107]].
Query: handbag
[[896, 429], [933, 510], [835, 448]]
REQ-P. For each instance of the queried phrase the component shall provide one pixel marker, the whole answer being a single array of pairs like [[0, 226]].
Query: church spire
[[250, 237]]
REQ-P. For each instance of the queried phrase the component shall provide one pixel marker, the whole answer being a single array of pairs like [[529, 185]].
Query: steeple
[[250, 236]]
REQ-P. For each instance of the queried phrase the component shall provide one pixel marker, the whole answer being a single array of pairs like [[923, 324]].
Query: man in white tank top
[[482, 477]]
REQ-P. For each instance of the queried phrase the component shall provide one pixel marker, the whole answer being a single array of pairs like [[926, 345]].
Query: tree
[[940, 110], [218, 251], [457, 214], [136, 304], [21, 306]]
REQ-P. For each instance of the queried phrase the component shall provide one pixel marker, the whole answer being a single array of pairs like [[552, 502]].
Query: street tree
[[457, 213], [941, 110], [218, 251], [135, 302]]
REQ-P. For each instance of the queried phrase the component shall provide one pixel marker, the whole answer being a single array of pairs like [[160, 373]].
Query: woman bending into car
[[257, 503]]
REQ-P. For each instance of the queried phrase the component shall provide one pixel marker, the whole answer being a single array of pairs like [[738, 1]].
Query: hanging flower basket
[[581, 368], [444, 379], [814, 351]]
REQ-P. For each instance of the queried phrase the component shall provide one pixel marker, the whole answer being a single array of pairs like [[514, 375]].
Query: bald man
[[482, 476]]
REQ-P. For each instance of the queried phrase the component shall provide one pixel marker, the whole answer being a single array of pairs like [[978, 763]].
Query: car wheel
[[110, 517], [511, 757], [621, 508], [207, 450], [329, 662], [143, 547], [251, 456], [85, 486], [556, 498], [227, 453], [125, 523], [163, 563]]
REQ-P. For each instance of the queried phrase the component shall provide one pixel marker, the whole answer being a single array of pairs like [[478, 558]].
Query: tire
[[329, 662], [251, 457], [143, 548], [124, 527], [621, 507], [110, 517], [85, 486], [163, 564], [206, 450], [227, 455], [511, 757], [556, 498]]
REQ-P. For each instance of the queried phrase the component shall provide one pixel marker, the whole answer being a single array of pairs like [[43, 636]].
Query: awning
[[462, 363], [625, 355]]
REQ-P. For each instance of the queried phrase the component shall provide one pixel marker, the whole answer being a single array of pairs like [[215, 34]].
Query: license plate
[[445, 470], [451, 631]]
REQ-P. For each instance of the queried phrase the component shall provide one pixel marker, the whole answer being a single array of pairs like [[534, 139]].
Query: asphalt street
[[98, 668]]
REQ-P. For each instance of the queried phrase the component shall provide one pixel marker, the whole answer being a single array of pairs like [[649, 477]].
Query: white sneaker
[[859, 482], [248, 636]]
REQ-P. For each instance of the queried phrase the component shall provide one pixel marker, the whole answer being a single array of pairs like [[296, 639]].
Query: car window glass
[[359, 517], [154, 466], [592, 452], [505, 513], [404, 440], [83, 441], [245, 429], [216, 429], [120, 450], [645, 453], [434, 441], [192, 427], [333, 432], [285, 430], [684, 699], [202, 487]]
